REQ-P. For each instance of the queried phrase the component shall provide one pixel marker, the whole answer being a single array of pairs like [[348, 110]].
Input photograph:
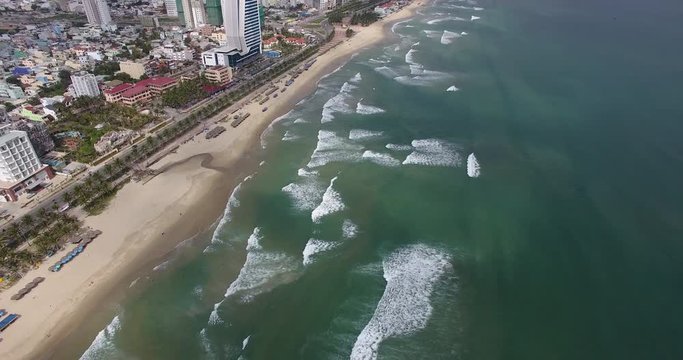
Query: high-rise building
[[18, 160], [192, 13], [242, 29], [20, 168], [85, 84], [214, 13], [97, 12], [171, 7]]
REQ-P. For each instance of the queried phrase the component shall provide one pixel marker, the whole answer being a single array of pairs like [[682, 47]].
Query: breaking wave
[[386, 71], [314, 247], [361, 134], [448, 37], [330, 204], [473, 168], [262, 270], [380, 158], [349, 229], [214, 318], [306, 193], [433, 152], [411, 273], [367, 109], [356, 78], [452, 89], [331, 148], [337, 103], [399, 147], [103, 345]]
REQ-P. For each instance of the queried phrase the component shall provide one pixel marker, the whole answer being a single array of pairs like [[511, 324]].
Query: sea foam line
[[103, 345], [331, 203], [411, 273]]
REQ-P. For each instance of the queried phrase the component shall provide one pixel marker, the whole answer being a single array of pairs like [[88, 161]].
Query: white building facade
[[97, 12], [171, 7], [85, 84], [242, 29], [18, 160]]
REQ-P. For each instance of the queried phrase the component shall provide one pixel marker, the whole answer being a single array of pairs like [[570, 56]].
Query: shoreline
[[197, 179]]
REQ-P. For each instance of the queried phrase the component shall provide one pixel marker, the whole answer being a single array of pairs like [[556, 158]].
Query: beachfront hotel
[[20, 168], [243, 34]]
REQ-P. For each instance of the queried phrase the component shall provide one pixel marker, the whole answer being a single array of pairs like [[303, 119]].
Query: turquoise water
[[368, 231]]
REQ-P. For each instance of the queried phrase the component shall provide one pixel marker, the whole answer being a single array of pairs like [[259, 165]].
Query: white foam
[[214, 318], [449, 18], [361, 134], [253, 242], [399, 147], [132, 283], [448, 37], [333, 148], [245, 342], [103, 345], [410, 57], [290, 136], [452, 88], [356, 78], [262, 271], [464, 33], [433, 152], [475, 18], [405, 307], [198, 291], [416, 44], [368, 109], [162, 266], [205, 343], [381, 158], [473, 168], [393, 27], [386, 71], [432, 33], [314, 247], [300, 121], [233, 202], [306, 172], [337, 103], [349, 229], [306, 193], [330, 204]]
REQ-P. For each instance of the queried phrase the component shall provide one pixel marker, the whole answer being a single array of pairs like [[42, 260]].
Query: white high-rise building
[[85, 84], [242, 28], [97, 12], [18, 160], [171, 7], [194, 13]]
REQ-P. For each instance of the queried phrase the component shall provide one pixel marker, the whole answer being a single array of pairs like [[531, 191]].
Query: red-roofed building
[[295, 41], [268, 43], [140, 92]]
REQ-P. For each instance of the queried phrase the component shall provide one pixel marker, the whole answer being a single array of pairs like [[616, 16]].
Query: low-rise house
[[140, 92], [112, 140]]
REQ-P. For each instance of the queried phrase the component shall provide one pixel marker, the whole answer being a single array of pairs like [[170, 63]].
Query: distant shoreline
[[197, 180]]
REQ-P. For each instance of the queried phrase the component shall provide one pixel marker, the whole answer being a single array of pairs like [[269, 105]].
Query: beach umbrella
[[16, 297]]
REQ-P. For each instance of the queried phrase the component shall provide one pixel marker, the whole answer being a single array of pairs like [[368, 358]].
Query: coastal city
[[95, 94]]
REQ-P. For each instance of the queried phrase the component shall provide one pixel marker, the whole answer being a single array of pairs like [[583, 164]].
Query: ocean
[[499, 180]]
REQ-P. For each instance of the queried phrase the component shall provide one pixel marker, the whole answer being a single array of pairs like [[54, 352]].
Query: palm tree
[[27, 221], [108, 170]]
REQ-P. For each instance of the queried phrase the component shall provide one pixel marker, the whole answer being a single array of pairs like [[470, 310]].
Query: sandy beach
[[146, 221]]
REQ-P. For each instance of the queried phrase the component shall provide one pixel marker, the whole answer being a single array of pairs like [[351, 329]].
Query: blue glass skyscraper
[[242, 29]]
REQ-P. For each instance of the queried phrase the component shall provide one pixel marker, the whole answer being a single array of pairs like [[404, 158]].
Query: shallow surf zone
[[262, 271], [232, 204], [103, 346], [331, 203], [433, 152], [411, 273], [331, 148]]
